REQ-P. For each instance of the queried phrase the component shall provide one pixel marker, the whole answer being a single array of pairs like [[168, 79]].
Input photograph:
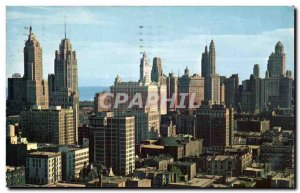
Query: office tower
[[213, 83], [31, 89], [112, 142], [251, 95], [276, 62], [285, 92], [145, 69], [205, 66], [214, 126], [212, 57], [222, 93], [212, 80], [256, 70], [191, 85], [147, 117], [172, 91], [43, 168], [102, 102], [232, 91], [63, 84], [156, 73], [53, 125]]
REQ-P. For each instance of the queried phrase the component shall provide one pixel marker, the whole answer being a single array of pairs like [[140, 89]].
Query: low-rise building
[[43, 168], [159, 162], [186, 168], [15, 176], [138, 183], [73, 159], [283, 180]]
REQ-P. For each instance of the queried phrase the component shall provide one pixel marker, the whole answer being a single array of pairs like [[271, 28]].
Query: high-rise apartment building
[[53, 125], [31, 89], [112, 142]]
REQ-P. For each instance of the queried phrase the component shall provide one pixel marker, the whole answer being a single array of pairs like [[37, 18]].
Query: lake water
[[88, 93]]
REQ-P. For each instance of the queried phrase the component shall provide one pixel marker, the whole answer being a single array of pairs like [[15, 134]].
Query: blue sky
[[106, 39]]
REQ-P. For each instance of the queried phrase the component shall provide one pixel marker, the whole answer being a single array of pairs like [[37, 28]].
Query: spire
[[65, 29]]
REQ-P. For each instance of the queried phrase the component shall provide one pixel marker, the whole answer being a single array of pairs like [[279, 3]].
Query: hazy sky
[[107, 39]]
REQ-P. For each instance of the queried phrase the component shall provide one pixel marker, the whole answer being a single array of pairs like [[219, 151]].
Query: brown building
[[31, 89], [214, 126], [53, 125], [102, 102], [138, 183]]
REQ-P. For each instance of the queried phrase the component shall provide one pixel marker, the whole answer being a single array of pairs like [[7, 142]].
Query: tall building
[[156, 73], [191, 85], [213, 90], [147, 117], [205, 66], [172, 91], [251, 95], [145, 69], [31, 89], [53, 125], [214, 126], [112, 142], [256, 70], [232, 91], [146, 99], [63, 84], [212, 57], [276, 62]]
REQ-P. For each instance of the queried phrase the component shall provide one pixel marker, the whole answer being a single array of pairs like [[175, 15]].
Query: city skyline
[[235, 47]]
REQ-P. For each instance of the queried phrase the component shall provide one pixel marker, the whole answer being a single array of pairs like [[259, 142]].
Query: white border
[[4, 3]]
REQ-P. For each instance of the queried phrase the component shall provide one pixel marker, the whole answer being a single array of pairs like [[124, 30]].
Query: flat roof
[[43, 154]]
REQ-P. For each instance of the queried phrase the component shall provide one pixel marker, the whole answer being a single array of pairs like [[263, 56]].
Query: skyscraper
[[232, 91], [214, 89], [205, 66], [276, 62], [112, 142], [256, 70], [31, 89], [212, 57], [172, 90], [63, 83], [156, 73], [211, 79], [145, 69]]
